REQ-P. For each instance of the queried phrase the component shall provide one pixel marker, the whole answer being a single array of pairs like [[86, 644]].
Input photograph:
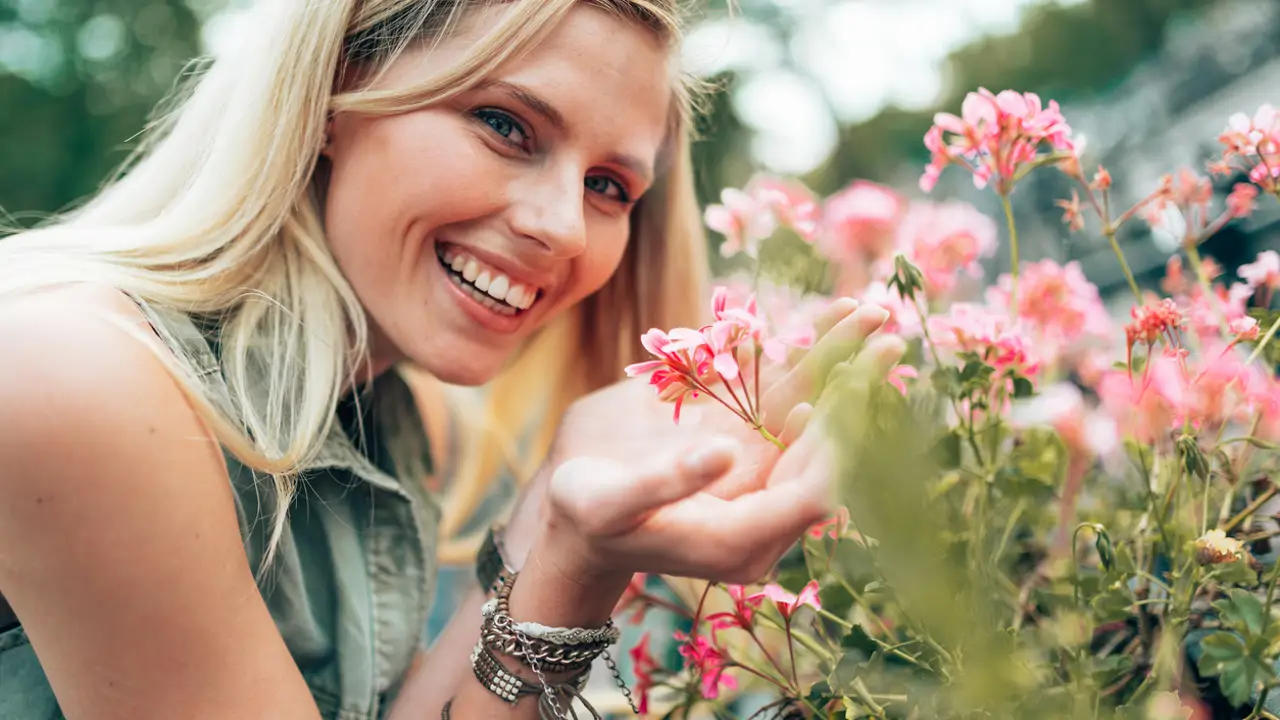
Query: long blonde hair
[[217, 214]]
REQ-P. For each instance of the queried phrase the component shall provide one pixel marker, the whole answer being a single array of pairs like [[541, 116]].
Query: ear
[[326, 143]]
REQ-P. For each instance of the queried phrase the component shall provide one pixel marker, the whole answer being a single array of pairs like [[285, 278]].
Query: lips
[[484, 283]]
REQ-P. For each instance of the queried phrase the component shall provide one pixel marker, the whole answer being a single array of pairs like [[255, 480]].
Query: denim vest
[[352, 581]]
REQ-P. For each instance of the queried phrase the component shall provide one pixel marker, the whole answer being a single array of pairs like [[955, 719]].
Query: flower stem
[[1013, 254], [764, 432], [791, 650], [1262, 344], [1124, 264]]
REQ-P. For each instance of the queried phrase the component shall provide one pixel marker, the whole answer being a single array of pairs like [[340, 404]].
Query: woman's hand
[[630, 491]]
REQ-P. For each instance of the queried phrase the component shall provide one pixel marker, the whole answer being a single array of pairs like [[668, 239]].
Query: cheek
[[601, 260], [395, 180]]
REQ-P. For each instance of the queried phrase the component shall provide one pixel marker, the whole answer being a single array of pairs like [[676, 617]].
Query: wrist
[[559, 585]]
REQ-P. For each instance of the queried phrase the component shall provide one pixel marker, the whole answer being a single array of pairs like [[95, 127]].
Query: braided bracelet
[[554, 649]]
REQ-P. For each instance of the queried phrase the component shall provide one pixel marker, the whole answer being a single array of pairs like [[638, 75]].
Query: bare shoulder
[[120, 550]]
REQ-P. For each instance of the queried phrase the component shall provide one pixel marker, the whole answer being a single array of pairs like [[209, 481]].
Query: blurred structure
[[1167, 115]]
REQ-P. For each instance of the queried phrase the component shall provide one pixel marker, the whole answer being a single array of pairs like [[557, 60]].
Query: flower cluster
[[1061, 495], [996, 137]]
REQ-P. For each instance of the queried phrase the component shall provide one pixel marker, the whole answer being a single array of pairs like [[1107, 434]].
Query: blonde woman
[[210, 496]]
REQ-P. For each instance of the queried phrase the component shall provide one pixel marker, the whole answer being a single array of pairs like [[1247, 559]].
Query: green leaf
[[947, 450], [1112, 604], [1226, 656], [1235, 573], [1242, 611], [1022, 387], [858, 639]]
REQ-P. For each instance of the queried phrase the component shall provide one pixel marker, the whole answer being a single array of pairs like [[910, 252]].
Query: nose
[[549, 210]]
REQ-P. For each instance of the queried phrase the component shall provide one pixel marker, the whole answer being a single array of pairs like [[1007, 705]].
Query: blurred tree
[[77, 81], [1064, 52]]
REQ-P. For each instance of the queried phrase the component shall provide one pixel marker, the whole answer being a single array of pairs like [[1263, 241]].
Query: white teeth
[[489, 287], [498, 288]]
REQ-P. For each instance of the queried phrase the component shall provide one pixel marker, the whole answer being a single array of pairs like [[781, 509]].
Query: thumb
[[604, 497]]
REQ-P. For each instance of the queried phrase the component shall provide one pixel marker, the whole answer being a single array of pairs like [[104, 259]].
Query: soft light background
[[828, 90]]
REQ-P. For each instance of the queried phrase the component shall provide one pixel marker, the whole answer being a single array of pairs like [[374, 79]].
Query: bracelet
[[554, 650], [492, 568], [497, 679], [542, 649]]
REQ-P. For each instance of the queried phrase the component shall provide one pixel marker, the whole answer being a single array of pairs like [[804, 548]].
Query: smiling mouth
[[484, 284]]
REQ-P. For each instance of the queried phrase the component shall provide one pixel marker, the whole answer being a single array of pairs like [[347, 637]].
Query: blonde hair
[[217, 214]]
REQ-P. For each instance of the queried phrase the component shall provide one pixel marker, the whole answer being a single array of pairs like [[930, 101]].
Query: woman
[[209, 475]]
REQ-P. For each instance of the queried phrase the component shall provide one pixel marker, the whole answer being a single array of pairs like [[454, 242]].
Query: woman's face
[[465, 226]]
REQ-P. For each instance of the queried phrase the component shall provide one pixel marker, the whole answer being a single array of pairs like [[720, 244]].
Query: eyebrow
[[556, 119]]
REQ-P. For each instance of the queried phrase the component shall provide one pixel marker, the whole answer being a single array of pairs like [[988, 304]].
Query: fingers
[[738, 540], [603, 497], [795, 424], [833, 314], [805, 381]]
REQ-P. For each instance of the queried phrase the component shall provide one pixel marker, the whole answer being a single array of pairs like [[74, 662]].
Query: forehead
[[610, 78]]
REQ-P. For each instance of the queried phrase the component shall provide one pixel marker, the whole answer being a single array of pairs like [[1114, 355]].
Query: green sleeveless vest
[[353, 578]]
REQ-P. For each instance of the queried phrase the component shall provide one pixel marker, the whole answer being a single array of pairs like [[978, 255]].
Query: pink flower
[[898, 377], [793, 204], [644, 666], [1263, 272], [743, 610], [1253, 143], [1059, 308], [994, 137], [1146, 405], [747, 216], [832, 527], [859, 221], [1152, 322], [973, 328], [1244, 328], [786, 602], [682, 369], [708, 661], [633, 599], [743, 220], [945, 239], [1243, 200]]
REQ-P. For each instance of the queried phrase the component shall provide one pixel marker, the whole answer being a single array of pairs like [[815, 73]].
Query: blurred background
[[828, 91]]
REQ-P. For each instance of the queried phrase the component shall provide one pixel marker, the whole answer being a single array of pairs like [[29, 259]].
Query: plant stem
[[1124, 264], [1271, 332], [764, 432], [791, 650], [1013, 255]]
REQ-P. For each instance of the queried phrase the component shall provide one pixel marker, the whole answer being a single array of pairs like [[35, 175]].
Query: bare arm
[[120, 550]]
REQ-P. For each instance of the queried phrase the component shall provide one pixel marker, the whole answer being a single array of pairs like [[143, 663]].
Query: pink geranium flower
[[645, 668], [1059, 308], [994, 137], [898, 377], [1252, 143], [858, 222], [702, 656], [747, 216], [944, 240], [991, 335], [786, 602], [743, 610], [742, 219]]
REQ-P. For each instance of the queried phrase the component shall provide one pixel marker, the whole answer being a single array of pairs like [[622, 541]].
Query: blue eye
[[504, 125], [608, 187]]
